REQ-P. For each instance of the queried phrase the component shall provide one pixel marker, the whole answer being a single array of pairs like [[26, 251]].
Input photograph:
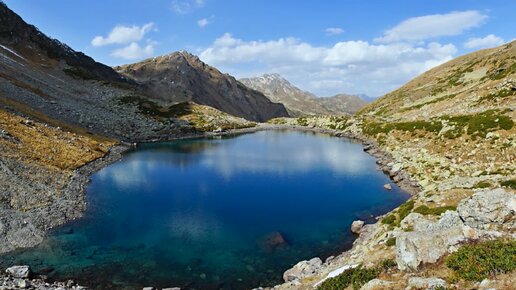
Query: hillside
[[448, 135], [468, 84], [183, 77], [301, 103]]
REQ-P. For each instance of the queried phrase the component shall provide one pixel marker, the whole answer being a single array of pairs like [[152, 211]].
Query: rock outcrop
[[356, 226], [302, 269]]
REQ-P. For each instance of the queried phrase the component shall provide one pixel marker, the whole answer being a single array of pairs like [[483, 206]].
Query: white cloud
[[334, 31], [349, 66], [123, 34], [490, 40], [431, 26], [186, 6], [203, 22], [134, 51]]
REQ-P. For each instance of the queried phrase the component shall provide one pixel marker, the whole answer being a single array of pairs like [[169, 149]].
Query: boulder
[[417, 221], [273, 241], [489, 210], [356, 226], [19, 271], [426, 283], [427, 246], [302, 270], [387, 186]]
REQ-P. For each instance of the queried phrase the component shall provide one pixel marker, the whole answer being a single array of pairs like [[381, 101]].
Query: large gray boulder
[[302, 270], [489, 210], [426, 283], [356, 226], [427, 246], [18, 271]]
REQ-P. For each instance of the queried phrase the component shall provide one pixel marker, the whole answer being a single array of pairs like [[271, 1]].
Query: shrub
[[389, 220], [483, 184], [390, 242], [302, 121], [355, 277], [511, 183], [475, 262], [387, 264], [425, 210], [405, 209]]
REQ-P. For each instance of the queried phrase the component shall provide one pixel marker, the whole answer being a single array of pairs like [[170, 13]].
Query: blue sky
[[326, 47]]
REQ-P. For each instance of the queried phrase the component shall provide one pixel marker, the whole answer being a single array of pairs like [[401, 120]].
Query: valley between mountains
[[448, 137]]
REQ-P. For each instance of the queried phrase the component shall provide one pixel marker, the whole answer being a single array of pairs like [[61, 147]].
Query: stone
[[387, 186], [426, 283], [417, 221], [273, 241], [149, 288], [489, 209], [19, 271], [302, 269], [356, 226], [430, 244]]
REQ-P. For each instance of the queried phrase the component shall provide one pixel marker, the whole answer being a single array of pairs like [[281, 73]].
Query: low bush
[[475, 262], [425, 210], [511, 183], [355, 277], [390, 242]]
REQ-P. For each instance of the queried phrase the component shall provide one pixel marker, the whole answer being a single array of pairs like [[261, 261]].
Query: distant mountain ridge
[[302, 103], [181, 77]]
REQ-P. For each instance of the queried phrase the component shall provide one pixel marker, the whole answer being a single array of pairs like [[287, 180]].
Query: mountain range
[[303, 103]]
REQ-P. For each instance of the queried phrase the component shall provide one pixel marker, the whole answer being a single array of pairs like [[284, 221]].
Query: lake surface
[[223, 213]]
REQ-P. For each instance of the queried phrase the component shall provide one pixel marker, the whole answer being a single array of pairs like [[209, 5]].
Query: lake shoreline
[[117, 152]]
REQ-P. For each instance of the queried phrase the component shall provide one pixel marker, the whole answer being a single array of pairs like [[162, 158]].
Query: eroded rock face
[[427, 246], [302, 269], [489, 210]]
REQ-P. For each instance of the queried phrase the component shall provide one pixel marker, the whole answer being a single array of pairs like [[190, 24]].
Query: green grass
[[425, 210], [478, 125], [355, 277], [437, 100], [80, 73], [511, 183], [475, 262], [387, 264]]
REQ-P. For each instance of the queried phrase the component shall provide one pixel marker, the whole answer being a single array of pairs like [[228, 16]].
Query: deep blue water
[[198, 213]]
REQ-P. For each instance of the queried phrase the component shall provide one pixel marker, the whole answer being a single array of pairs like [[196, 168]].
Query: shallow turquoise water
[[198, 213]]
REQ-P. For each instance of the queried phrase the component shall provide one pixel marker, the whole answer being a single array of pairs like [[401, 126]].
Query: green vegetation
[[395, 218], [373, 128], [355, 277], [338, 122], [478, 125], [277, 121], [387, 264], [436, 100], [302, 121], [475, 262], [511, 183], [390, 242], [483, 184], [498, 95], [501, 71], [425, 210]]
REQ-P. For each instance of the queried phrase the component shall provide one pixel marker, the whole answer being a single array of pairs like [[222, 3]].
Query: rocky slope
[[301, 103], [183, 77], [454, 138]]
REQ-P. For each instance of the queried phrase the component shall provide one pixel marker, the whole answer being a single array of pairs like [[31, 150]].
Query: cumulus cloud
[[349, 66], [186, 6], [123, 34], [203, 22], [334, 31], [134, 51], [431, 26], [488, 41]]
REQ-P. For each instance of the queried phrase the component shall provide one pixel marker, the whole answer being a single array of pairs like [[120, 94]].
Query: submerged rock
[[302, 269], [274, 241], [356, 226]]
